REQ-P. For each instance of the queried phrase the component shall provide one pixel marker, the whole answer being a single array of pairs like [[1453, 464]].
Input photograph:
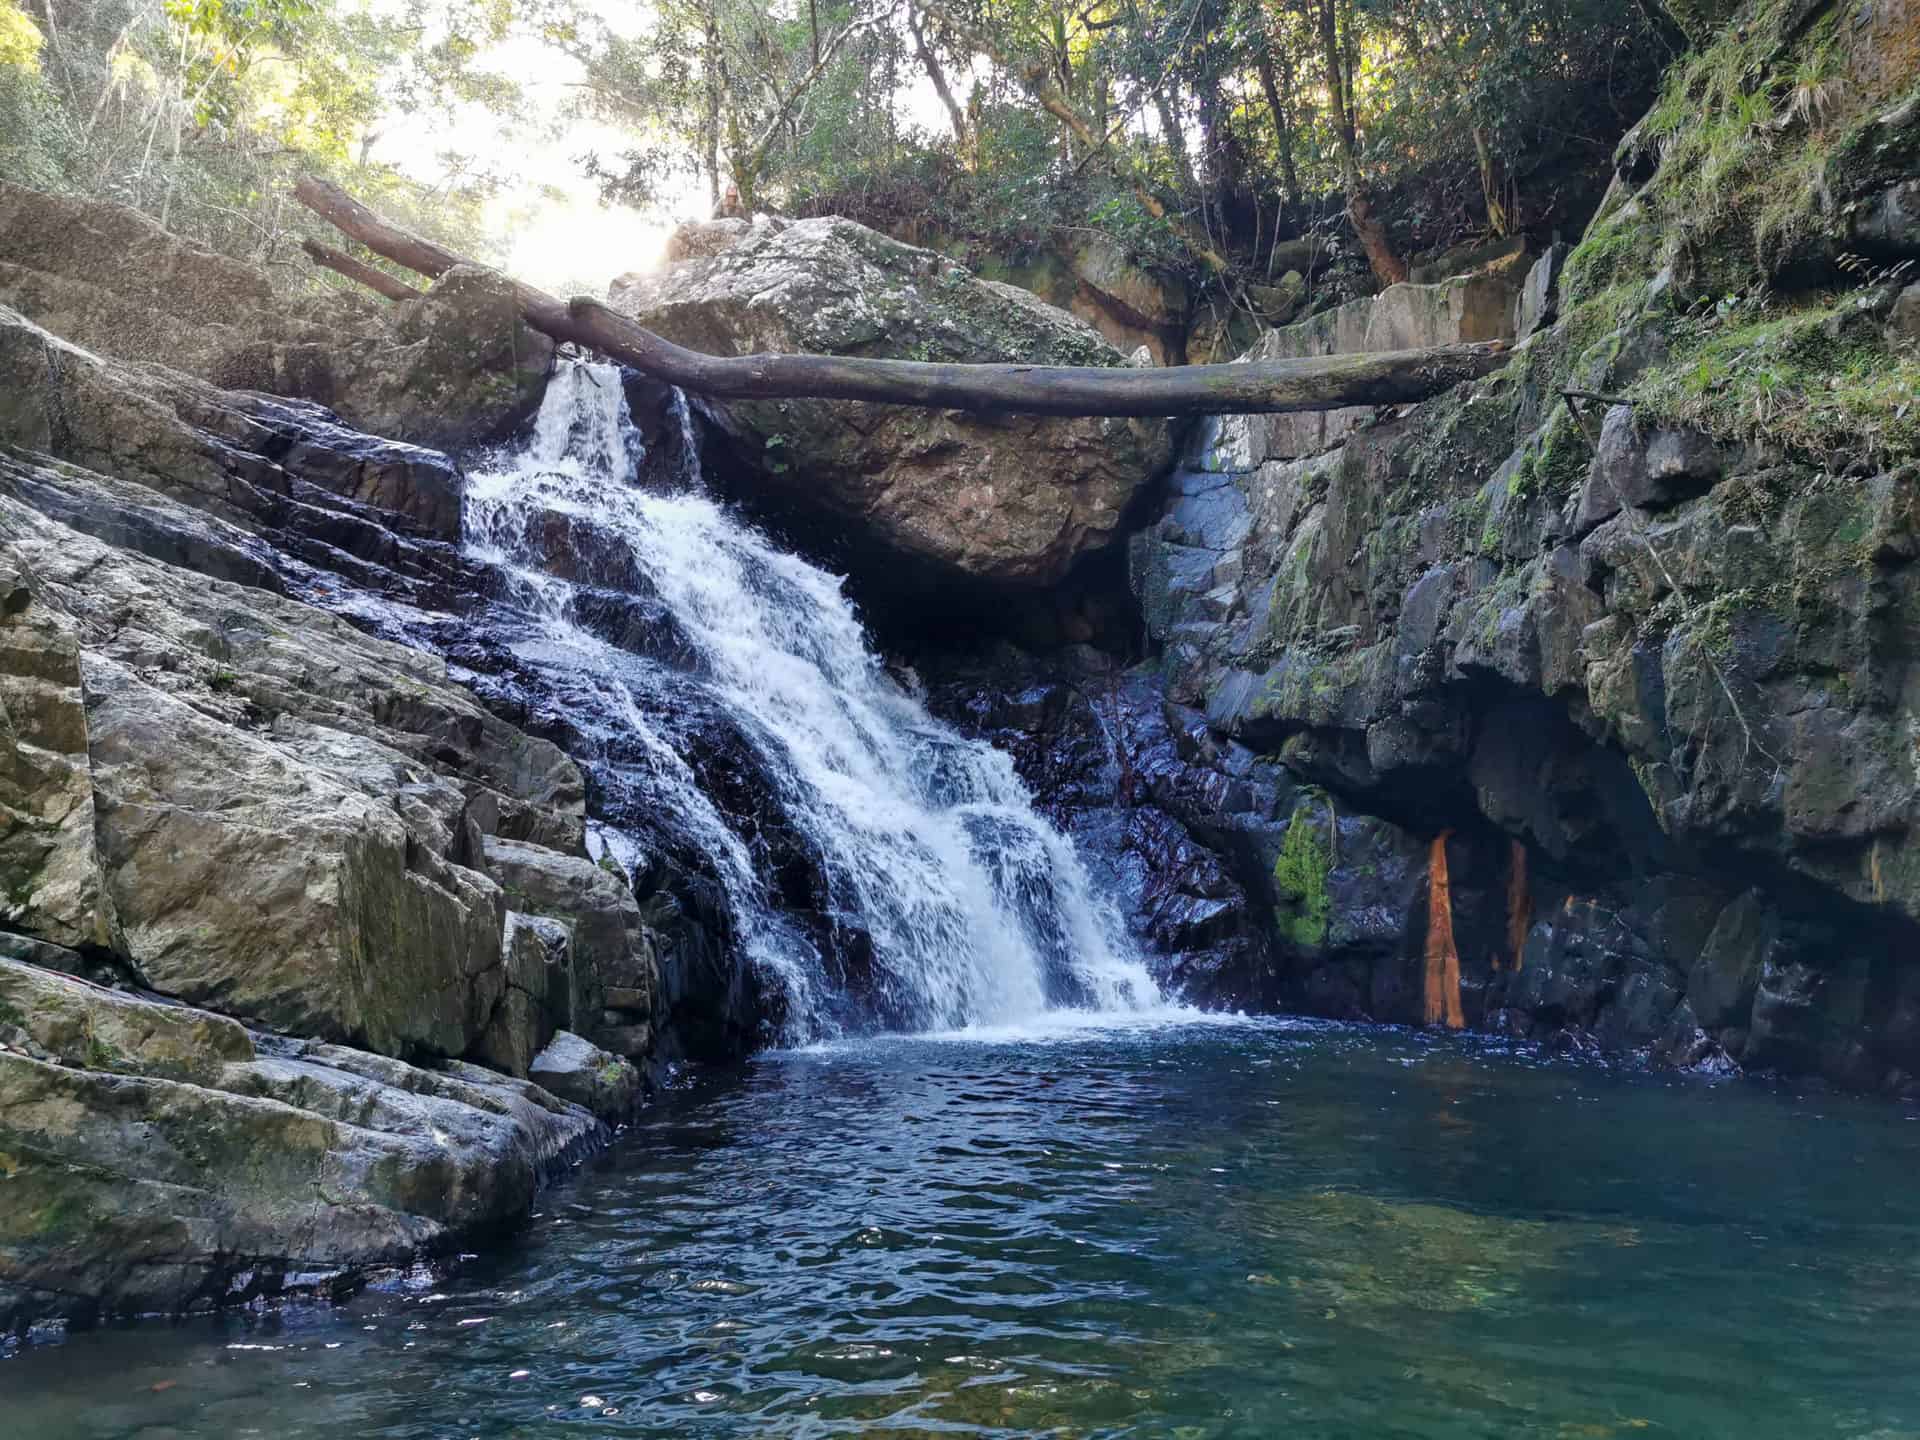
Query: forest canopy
[[1205, 137]]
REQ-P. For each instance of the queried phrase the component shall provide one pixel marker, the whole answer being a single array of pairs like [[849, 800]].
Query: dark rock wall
[[1640, 660]]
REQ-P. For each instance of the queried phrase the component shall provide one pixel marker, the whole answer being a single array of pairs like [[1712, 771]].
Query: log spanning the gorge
[[1246, 387]]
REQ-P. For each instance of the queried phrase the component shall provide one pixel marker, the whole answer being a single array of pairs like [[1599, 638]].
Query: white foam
[[979, 912]]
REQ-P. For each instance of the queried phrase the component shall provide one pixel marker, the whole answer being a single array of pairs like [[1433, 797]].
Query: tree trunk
[[1388, 268], [930, 62], [1176, 139], [1252, 387], [1218, 168], [357, 222], [1282, 120], [710, 119], [1491, 184]]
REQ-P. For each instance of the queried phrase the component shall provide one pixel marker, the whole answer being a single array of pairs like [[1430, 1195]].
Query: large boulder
[[1002, 499], [459, 367], [158, 1159], [456, 369]]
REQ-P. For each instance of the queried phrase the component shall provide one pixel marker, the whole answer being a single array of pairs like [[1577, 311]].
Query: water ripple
[[1241, 1230]]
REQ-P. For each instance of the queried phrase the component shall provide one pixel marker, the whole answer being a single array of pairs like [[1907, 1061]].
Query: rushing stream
[[1254, 1230], [946, 898]]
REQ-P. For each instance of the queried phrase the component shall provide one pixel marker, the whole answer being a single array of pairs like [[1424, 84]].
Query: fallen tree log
[[1247, 387]]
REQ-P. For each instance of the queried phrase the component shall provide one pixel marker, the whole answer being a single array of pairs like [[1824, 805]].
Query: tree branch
[[375, 280]]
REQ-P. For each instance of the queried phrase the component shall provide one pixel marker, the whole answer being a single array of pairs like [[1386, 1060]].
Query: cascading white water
[[977, 910]]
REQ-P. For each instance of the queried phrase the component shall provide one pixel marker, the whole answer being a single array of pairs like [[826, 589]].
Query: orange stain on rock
[[1443, 959]]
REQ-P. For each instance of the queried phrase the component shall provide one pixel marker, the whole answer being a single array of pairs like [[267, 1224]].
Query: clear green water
[[1256, 1230]]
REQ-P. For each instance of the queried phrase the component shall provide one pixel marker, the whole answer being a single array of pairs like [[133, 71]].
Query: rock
[[703, 239], [1134, 294], [248, 876], [1166, 837], [1721, 987], [1449, 623], [158, 1159], [277, 837], [540, 997], [47, 846], [1473, 307], [1660, 696], [1886, 225], [456, 369], [587, 1076], [1278, 304], [610, 944], [108, 279], [247, 458], [309, 441], [464, 368], [1504, 252], [1648, 469], [999, 500], [1539, 299], [1903, 321]]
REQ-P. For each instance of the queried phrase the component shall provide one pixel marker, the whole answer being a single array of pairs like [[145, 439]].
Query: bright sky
[[572, 243], [565, 243]]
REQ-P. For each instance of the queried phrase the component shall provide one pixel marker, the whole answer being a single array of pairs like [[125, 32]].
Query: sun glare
[[576, 245]]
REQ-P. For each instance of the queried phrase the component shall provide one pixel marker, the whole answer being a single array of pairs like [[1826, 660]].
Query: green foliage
[[1300, 874], [1192, 120], [203, 112], [20, 39], [1814, 376]]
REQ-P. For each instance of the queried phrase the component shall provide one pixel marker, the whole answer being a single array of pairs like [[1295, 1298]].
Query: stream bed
[[1171, 1228]]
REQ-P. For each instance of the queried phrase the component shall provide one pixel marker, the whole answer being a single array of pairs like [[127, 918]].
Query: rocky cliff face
[[1623, 677]]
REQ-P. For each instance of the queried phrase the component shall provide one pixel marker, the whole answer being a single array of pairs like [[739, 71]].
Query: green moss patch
[[1300, 874], [1814, 376]]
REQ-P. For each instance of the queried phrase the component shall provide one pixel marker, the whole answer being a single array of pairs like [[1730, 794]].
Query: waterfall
[[731, 697]]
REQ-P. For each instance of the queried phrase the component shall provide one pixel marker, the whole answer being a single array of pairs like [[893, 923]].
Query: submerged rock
[[1009, 501]]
